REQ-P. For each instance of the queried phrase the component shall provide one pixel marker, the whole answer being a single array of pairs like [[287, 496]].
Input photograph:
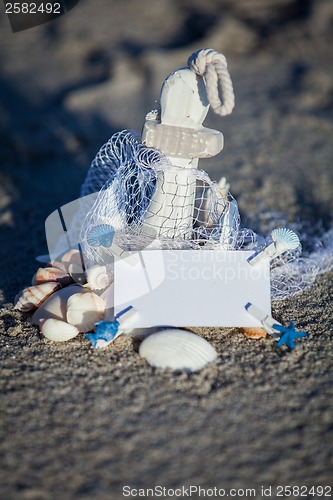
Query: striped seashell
[[84, 310], [98, 278], [101, 236], [285, 239], [177, 349], [57, 330], [32, 297], [46, 274], [56, 305]]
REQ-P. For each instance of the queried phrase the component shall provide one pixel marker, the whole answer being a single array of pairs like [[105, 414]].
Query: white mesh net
[[145, 200]]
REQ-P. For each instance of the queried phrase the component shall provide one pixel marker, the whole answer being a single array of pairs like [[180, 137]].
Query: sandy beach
[[78, 423]]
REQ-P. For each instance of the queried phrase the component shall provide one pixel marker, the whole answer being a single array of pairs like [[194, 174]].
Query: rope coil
[[212, 66]]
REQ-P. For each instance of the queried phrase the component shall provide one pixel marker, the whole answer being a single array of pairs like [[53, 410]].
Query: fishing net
[[147, 202]]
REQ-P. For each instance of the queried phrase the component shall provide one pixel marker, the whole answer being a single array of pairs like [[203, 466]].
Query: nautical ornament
[[177, 349]]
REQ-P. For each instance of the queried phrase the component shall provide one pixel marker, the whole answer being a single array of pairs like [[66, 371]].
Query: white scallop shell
[[98, 278], [46, 274], [84, 310], [34, 296], [57, 330], [285, 239], [56, 305], [177, 349]]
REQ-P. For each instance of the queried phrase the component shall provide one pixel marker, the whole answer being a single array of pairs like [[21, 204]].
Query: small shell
[[55, 306], [84, 310], [285, 239], [57, 330], [72, 257], [254, 332], [98, 278], [101, 236], [46, 274], [177, 349], [34, 296]]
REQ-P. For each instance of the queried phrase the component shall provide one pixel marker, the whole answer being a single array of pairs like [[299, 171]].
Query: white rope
[[212, 66]]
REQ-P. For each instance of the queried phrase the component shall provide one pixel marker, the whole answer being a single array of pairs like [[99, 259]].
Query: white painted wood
[[183, 104]]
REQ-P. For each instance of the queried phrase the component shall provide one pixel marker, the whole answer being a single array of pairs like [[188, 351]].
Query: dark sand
[[81, 424]]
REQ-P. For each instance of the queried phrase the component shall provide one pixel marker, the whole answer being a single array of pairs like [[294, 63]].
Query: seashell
[[56, 305], [46, 274], [72, 257], [98, 278], [57, 330], [59, 265], [84, 310], [34, 296], [254, 332], [177, 349], [285, 239], [101, 236]]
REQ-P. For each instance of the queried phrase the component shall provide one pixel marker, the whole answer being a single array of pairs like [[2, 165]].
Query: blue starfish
[[105, 331], [288, 335]]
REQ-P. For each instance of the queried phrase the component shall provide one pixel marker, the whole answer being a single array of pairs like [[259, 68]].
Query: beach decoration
[[101, 235], [32, 297], [51, 274], [98, 277], [107, 331], [57, 330], [145, 196], [284, 335], [288, 335], [283, 240], [178, 350], [84, 310]]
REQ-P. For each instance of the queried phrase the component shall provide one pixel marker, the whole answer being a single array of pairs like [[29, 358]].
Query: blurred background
[[67, 85]]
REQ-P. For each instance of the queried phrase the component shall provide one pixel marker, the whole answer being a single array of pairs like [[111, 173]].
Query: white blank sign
[[191, 288]]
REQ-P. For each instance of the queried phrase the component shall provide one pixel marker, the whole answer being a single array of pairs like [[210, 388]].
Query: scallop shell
[[177, 349], [55, 306], [101, 236], [57, 330], [46, 274], [84, 310], [285, 239], [98, 278], [254, 332], [34, 296]]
